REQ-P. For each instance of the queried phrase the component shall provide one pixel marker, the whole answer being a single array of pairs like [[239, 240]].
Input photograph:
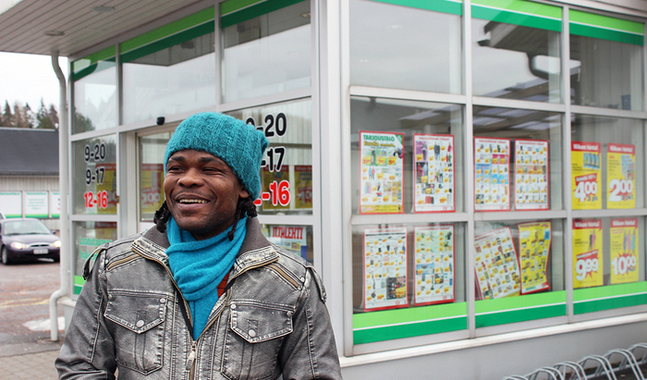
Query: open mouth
[[191, 201]]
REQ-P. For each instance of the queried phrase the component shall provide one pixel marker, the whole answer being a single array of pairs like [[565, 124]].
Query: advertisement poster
[[36, 204], [587, 253], [292, 238], [152, 179], [385, 268], [433, 173], [55, 204], [534, 251], [269, 195], [492, 170], [621, 176], [105, 200], [434, 269], [531, 191], [624, 250], [11, 204], [382, 173], [586, 175], [303, 186], [497, 269]]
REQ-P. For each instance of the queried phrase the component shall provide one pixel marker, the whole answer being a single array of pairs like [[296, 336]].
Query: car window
[[26, 227]]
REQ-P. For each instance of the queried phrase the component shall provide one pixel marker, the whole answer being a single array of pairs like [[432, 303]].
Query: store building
[[467, 176]]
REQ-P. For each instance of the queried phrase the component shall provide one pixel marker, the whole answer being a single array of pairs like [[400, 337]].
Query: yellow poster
[[624, 252], [587, 253], [382, 172], [534, 251], [151, 184], [275, 193], [586, 176], [621, 176], [303, 186], [105, 198]]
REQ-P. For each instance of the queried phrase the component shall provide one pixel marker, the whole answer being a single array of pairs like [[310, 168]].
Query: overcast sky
[[28, 78]]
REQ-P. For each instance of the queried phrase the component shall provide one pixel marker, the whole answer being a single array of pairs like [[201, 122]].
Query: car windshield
[[25, 227]]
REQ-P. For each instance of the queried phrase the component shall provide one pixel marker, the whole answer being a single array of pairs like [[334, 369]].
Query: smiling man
[[203, 295]]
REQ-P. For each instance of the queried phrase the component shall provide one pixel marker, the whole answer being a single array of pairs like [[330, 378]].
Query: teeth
[[192, 201]]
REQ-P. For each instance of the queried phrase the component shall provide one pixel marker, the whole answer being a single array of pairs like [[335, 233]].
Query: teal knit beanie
[[239, 144]]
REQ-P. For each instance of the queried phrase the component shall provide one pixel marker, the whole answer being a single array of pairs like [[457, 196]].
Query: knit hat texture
[[237, 143]]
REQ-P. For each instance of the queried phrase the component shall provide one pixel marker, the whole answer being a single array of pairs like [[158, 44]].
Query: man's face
[[201, 192]]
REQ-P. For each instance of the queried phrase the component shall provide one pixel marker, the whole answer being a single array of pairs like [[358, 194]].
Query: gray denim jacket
[[131, 318]]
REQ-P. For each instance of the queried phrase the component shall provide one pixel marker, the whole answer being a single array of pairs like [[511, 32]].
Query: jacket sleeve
[[88, 349], [309, 352]]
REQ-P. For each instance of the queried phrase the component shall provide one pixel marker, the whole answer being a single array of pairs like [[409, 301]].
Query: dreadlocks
[[244, 206]]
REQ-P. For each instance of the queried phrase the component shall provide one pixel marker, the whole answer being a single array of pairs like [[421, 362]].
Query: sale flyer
[[621, 176], [587, 253], [434, 269], [531, 190], [303, 186], [586, 175], [385, 268], [292, 238], [534, 251], [492, 171], [151, 180], [433, 174], [624, 251], [382, 173], [497, 269]]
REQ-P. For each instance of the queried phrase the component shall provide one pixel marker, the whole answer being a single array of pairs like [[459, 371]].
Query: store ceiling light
[[54, 33], [103, 9]]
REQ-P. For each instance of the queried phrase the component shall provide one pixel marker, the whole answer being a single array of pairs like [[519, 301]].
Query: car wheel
[[57, 258], [5, 256]]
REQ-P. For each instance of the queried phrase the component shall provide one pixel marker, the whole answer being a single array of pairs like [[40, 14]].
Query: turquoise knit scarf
[[198, 267]]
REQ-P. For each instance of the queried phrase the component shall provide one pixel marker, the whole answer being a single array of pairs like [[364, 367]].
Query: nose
[[191, 177]]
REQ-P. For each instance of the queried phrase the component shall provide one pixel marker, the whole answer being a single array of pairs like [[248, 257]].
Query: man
[[203, 295]]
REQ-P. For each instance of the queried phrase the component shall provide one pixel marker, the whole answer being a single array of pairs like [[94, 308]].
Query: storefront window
[[286, 170], [406, 45], [408, 280], [518, 159], [95, 92], [294, 239], [87, 236], [173, 74], [607, 61], [608, 263], [516, 50], [152, 149], [94, 176], [607, 162], [407, 156], [519, 269], [266, 48]]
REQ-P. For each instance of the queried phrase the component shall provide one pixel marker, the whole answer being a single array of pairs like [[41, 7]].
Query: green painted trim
[[605, 22], [408, 330], [521, 6], [516, 18], [526, 301], [165, 43], [102, 55], [444, 6], [408, 315], [168, 30], [588, 294], [606, 34], [36, 215], [78, 284], [520, 315], [95, 67], [583, 307], [231, 6], [11, 216], [254, 10]]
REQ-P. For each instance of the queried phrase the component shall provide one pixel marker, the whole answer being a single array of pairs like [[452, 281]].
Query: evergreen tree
[[53, 116], [7, 116], [44, 122]]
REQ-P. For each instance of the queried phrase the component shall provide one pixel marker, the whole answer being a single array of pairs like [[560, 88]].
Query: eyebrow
[[204, 159]]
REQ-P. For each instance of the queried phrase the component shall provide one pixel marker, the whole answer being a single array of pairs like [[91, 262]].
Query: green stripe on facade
[[231, 6], [519, 309], [528, 300], [609, 303], [96, 67], [521, 6], [78, 284], [168, 30], [515, 18], [444, 6], [520, 315], [252, 11], [588, 294], [406, 315], [609, 297], [606, 34], [606, 28], [167, 42], [379, 334], [102, 55]]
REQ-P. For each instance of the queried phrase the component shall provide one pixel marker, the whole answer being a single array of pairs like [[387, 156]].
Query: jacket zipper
[[277, 268], [122, 261]]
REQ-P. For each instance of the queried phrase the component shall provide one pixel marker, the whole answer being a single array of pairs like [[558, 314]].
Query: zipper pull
[[192, 355]]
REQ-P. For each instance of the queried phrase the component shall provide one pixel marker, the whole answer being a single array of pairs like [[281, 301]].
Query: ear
[[243, 193]]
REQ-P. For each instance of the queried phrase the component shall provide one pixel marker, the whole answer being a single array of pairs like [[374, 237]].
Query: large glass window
[[407, 156], [152, 149], [86, 237], [516, 50], [94, 176], [266, 48], [173, 74], [406, 47], [286, 170], [607, 61], [95, 92]]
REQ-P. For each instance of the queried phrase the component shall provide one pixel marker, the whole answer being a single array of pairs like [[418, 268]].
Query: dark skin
[[202, 193]]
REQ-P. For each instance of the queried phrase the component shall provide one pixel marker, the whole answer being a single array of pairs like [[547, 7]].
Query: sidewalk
[[29, 360]]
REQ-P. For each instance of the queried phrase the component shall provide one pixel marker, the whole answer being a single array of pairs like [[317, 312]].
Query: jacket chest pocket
[[139, 334], [254, 338]]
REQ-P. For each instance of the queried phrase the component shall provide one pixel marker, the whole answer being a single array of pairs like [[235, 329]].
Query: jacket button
[[289, 313], [139, 323], [162, 300], [233, 306], [252, 333]]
